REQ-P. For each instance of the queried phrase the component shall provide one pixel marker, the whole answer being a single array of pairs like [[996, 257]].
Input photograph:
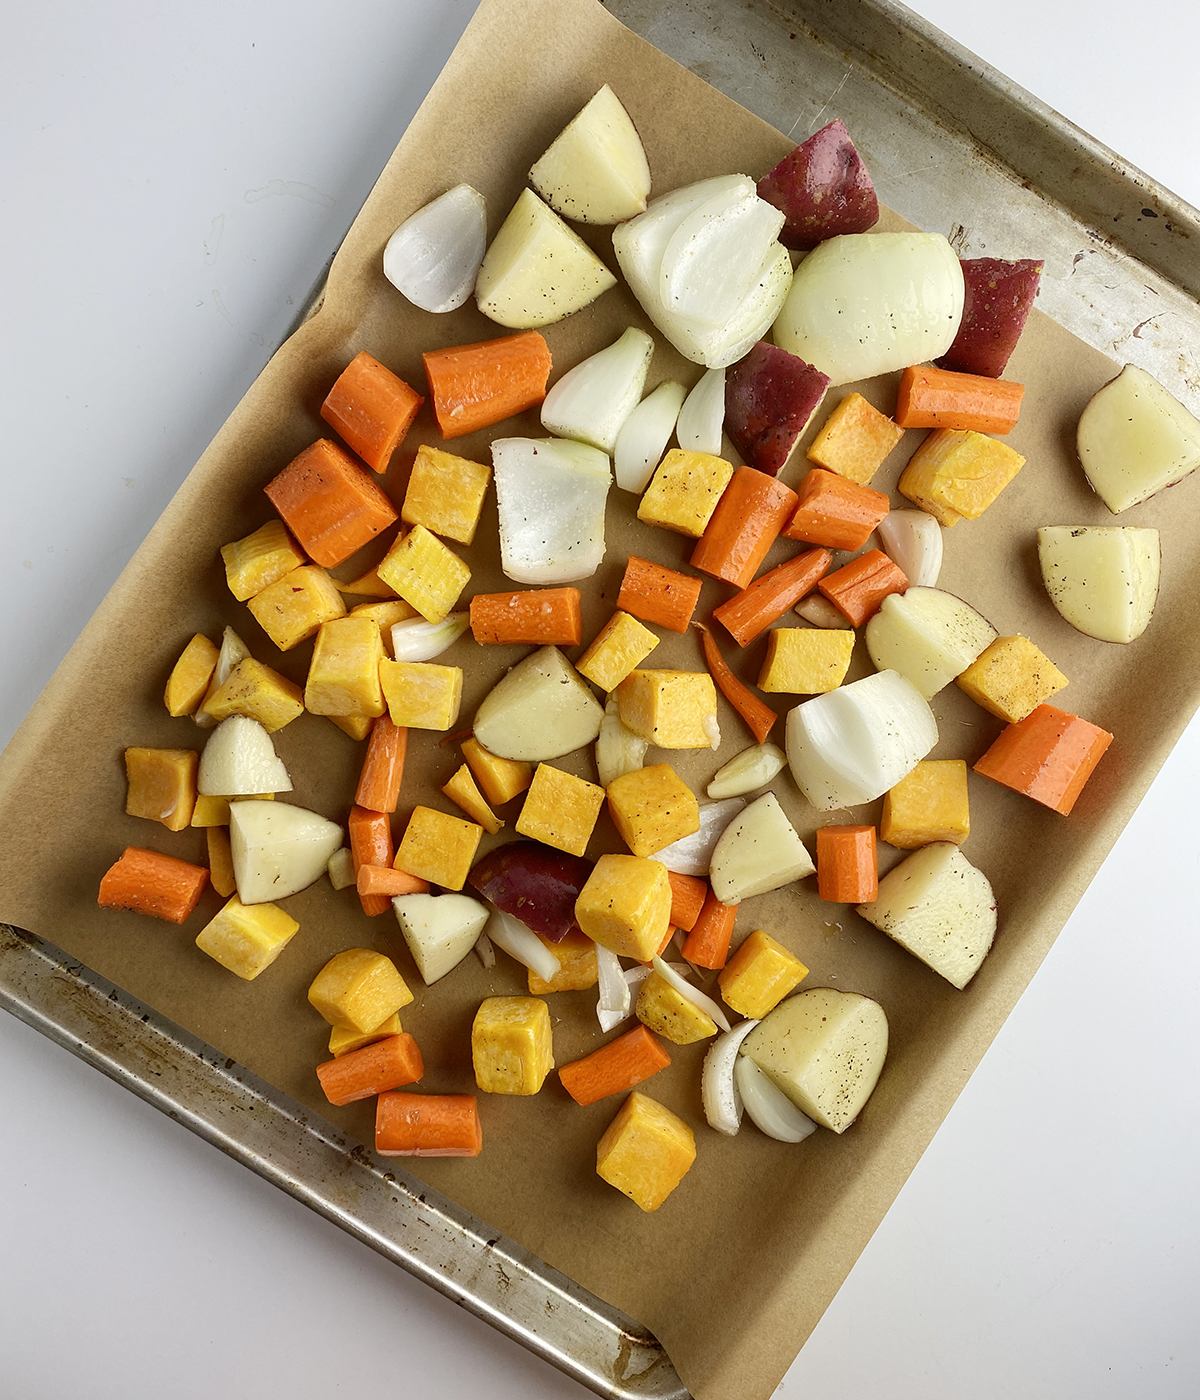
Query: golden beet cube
[[462, 791], [425, 573], [358, 990], [673, 709], [646, 1151], [855, 439], [501, 779], [260, 560], [421, 694], [928, 804], [188, 682], [341, 1041], [214, 811], [759, 975], [291, 610], [255, 690], [955, 473], [438, 847], [620, 645], [665, 1010], [220, 861], [343, 675], [162, 785], [386, 615], [652, 807], [577, 969], [560, 810], [511, 1046], [357, 726], [626, 905], [1011, 678], [445, 494], [368, 585], [684, 491], [247, 938], [806, 660]]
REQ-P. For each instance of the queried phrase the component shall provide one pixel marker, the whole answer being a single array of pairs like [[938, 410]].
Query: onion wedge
[[434, 256], [233, 651], [690, 855], [703, 415], [418, 640], [752, 768], [485, 951], [550, 495], [618, 750], [718, 1087], [912, 540], [693, 994], [768, 1107], [644, 436], [591, 402], [614, 1002], [520, 942]]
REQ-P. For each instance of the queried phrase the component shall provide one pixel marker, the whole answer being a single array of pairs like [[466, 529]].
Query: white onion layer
[[591, 402], [752, 768], [520, 942], [913, 541], [703, 415], [434, 256], [614, 1002], [690, 855], [693, 994], [644, 436], [718, 1089], [550, 495], [418, 640], [768, 1107]]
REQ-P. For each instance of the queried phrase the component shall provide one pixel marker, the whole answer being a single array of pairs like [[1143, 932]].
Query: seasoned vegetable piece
[[998, 297], [530, 617], [438, 847], [421, 694], [560, 810], [823, 189], [220, 861], [427, 1125], [645, 1152], [445, 493], [246, 939], [928, 804], [550, 499], [769, 398], [1049, 756], [500, 778], [707, 943], [343, 676], [665, 1009], [625, 905], [511, 1045], [372, 1069], [956, 473], [673, 709], [342, 1041], [847, 868], [651, 808], [835, 511], [162, 785], [425, 573], [621, 645], [259, 560], [855, 440], [749, 613], [760, 718], [940, 398], [371, 409], [577, 971], [331, 505], [148, 883], [744, 526], [278, 849], [293, 609], [462, 791], [928, 636], [759, 975], [188, 682], [858, 588], [440, 930], [370, 844], [1102, 578], [684, 492], [758, 851], [688, 894], [658, 594], [358, 990], [595, 169], [630, 1059], [383, 767], [1011, 678], [534, 883], [474, 386], [805, 660]]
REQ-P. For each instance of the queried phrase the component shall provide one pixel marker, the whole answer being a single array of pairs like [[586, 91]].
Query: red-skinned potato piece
[[823, 189], [997, 300], [769, 397], [533, 883]]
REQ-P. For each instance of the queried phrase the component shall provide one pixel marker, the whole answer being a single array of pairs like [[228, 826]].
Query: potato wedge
[[542, 709], [758, 851], [1102, 578], [928, 636]]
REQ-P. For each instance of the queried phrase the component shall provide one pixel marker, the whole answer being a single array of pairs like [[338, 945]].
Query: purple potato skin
[[533, 883], [998, 299], [823, 189], [769, 397]]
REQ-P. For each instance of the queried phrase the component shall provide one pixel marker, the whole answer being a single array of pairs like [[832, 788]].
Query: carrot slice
[[533, 616], [427, 1125], [371, 409], [749, 613], [361, 1074], [331, 505], [688, 893], [149, 883], [942, 398], [708, 943], [760, 718], [384, 882], [835, 511], [1049, 756], [744, 526], [859, 587], [371, 844], [383, 767], [474, 386], [630, 1059], [847, 865], [657, 594]]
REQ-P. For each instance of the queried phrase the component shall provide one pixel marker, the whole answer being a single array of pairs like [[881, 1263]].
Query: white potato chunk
[[595, 170], [825, 1049], [278, 849], [758, 851], [928, 636], [440, 930], [239, 760], [1134, 438], [542, 709], [1102, 578], [938, 906], [550, 496]]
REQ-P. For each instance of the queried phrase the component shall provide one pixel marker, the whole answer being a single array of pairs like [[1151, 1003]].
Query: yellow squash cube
[[1011, 679], [162, 785], [357, 726], [445, 494], [247, 938], [260, 560], [188, 682], [291, 610], [343, 675], [560, 810], [626, 905], [386, 615], [685, 491], [577, 969], [501, 779], [220, 861], [928, 804], [956, 473], [511, 1046], [255, 690], [673, 709], [438, 847], [759, 975], [368, 585], [620, 645], [462, 791], [214, 811], [652, 807], [341, 1042], [855, 440], [806, 660], [358, 990], [421, 694], [425, 573], [646, 1151], [664, 1009]]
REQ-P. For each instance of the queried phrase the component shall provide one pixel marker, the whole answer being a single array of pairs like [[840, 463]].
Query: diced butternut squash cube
[[438, 847], [626, 905], [358, 990], [425, 573], [255, 690], [664, 1009], [501, 779], [759, 975], [855, 439], [445, 494], [421, 694], [162, 785], [577, 970], [462, 791], [684, 491], [673, 709], [214, 811], [620, 645], [291, 610], [560, 810], [188, 682], [368, 585], [247, 938], [956, 473], [1011, 678], [341, 1041], [343, 676], [260, 560], [646, 1151], [806, 660], [511, 1045], [220, 861], [928, 804], [386, 614], [652, 807], [357, 726]]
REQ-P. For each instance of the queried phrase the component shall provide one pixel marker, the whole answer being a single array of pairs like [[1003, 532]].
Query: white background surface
[[175, 177]]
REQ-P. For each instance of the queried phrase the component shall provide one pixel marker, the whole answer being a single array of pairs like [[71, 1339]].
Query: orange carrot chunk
[[760, 718], [330, 503], [384, 882], [149, 883], [371, 409], [383, 767], [708, 943], [533, 616], [749, 613], [858, 588], [474, 386], [657, 594], [744, 526], [1049, 756], [371, 844], [847, 866], [688, 893], [630, 1059], [361, 1074], [941, 398], [835, 511], [427, 1125]]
